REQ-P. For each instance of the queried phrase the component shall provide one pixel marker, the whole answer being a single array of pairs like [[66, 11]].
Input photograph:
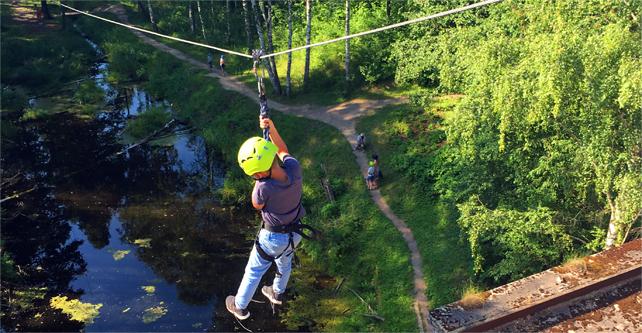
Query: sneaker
[[272, 296], [238, 313]]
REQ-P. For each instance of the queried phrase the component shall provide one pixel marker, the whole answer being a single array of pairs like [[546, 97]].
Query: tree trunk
[[388, 9], [288, 83], [190, 13], [615, 224], [151, 16], [142, 9], [62, 17], [248, 30], [45, 10], [347, 31], [308, 28], [259, 30], [228, 37], [200, 18], [268, 22]]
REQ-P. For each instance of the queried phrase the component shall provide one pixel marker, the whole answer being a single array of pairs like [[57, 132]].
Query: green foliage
[[526, 241], [125, 61], [548, 131], [147, 122], [89, 93], [8, 269]]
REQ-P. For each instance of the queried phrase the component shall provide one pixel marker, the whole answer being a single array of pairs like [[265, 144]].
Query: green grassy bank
[[407, 139], [358, 245]]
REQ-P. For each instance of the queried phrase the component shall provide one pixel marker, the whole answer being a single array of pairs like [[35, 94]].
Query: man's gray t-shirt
[[282, 200]]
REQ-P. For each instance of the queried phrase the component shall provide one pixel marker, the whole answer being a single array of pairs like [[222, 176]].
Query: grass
[[445, 254], [359, 244], [473, 298], [45, 62]]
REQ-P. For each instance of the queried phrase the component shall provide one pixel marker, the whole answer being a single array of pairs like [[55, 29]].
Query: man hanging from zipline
[[277, 193]]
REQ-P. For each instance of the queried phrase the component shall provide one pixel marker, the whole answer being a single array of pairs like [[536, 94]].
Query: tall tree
[[228, 13], [248, 29], [308, 29], [45, 9], [259, 30], [190, 13], [200, 18], [347, 55], [151, 16], [288, 83], [268, 14], [388, 9], [142, 9]]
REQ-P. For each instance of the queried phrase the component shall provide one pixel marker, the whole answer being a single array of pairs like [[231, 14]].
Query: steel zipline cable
[[158, 34], [265, 56]]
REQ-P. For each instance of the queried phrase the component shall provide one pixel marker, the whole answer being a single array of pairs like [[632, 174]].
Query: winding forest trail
[[343, 117]]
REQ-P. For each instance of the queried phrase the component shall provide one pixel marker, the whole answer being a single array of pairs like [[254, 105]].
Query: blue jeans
[[274, 244]]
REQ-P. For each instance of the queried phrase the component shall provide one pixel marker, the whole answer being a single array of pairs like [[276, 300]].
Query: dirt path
[[342, 117]]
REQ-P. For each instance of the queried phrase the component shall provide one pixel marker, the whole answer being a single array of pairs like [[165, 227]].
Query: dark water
[[140, 233]]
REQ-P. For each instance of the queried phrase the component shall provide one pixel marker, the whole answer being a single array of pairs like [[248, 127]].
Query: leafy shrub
[[148, 122]]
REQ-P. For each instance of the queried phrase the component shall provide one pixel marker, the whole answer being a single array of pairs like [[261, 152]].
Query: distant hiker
[[378, 173], [277, 193], [371, 178], [210, 60], [361, 142], [221, 64]]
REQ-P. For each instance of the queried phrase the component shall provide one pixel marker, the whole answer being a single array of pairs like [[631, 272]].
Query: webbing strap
[[263, 103]]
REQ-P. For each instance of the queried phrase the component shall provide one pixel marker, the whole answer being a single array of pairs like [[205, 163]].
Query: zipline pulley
[[263, 103]]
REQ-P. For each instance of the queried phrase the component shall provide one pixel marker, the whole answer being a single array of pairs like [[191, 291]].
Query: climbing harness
[[296, 227]]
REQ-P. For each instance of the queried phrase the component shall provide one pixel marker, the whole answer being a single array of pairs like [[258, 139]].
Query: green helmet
[[371, 163], [256, 155]]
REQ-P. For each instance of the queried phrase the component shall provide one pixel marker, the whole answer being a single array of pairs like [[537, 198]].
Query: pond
[[138, 232]]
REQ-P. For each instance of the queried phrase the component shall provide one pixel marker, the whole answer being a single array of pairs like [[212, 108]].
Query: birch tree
[[288, 83], [248, 29], [259, 30], [151, 16], [228, 36], [268, 13], [347, 55], [190, 13], [308, 29], [200, 18]]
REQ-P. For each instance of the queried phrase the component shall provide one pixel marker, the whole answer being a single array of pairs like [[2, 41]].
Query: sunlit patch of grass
[[154, 313], [144, 242], [149, 289], [77, 310], [120, 254], [473, 298]]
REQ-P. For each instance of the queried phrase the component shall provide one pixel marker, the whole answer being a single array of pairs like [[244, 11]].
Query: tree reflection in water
[[157, 192]]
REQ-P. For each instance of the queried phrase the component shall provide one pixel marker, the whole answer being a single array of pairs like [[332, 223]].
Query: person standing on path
[[377, 166], [371, 178], [210, 60], [277, 193], [221, 64]]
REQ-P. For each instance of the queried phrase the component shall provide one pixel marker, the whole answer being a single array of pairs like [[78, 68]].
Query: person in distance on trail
[[377, 166], [221, 64], [210, 60], [361, 142], [277, 193], [370, 179]]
